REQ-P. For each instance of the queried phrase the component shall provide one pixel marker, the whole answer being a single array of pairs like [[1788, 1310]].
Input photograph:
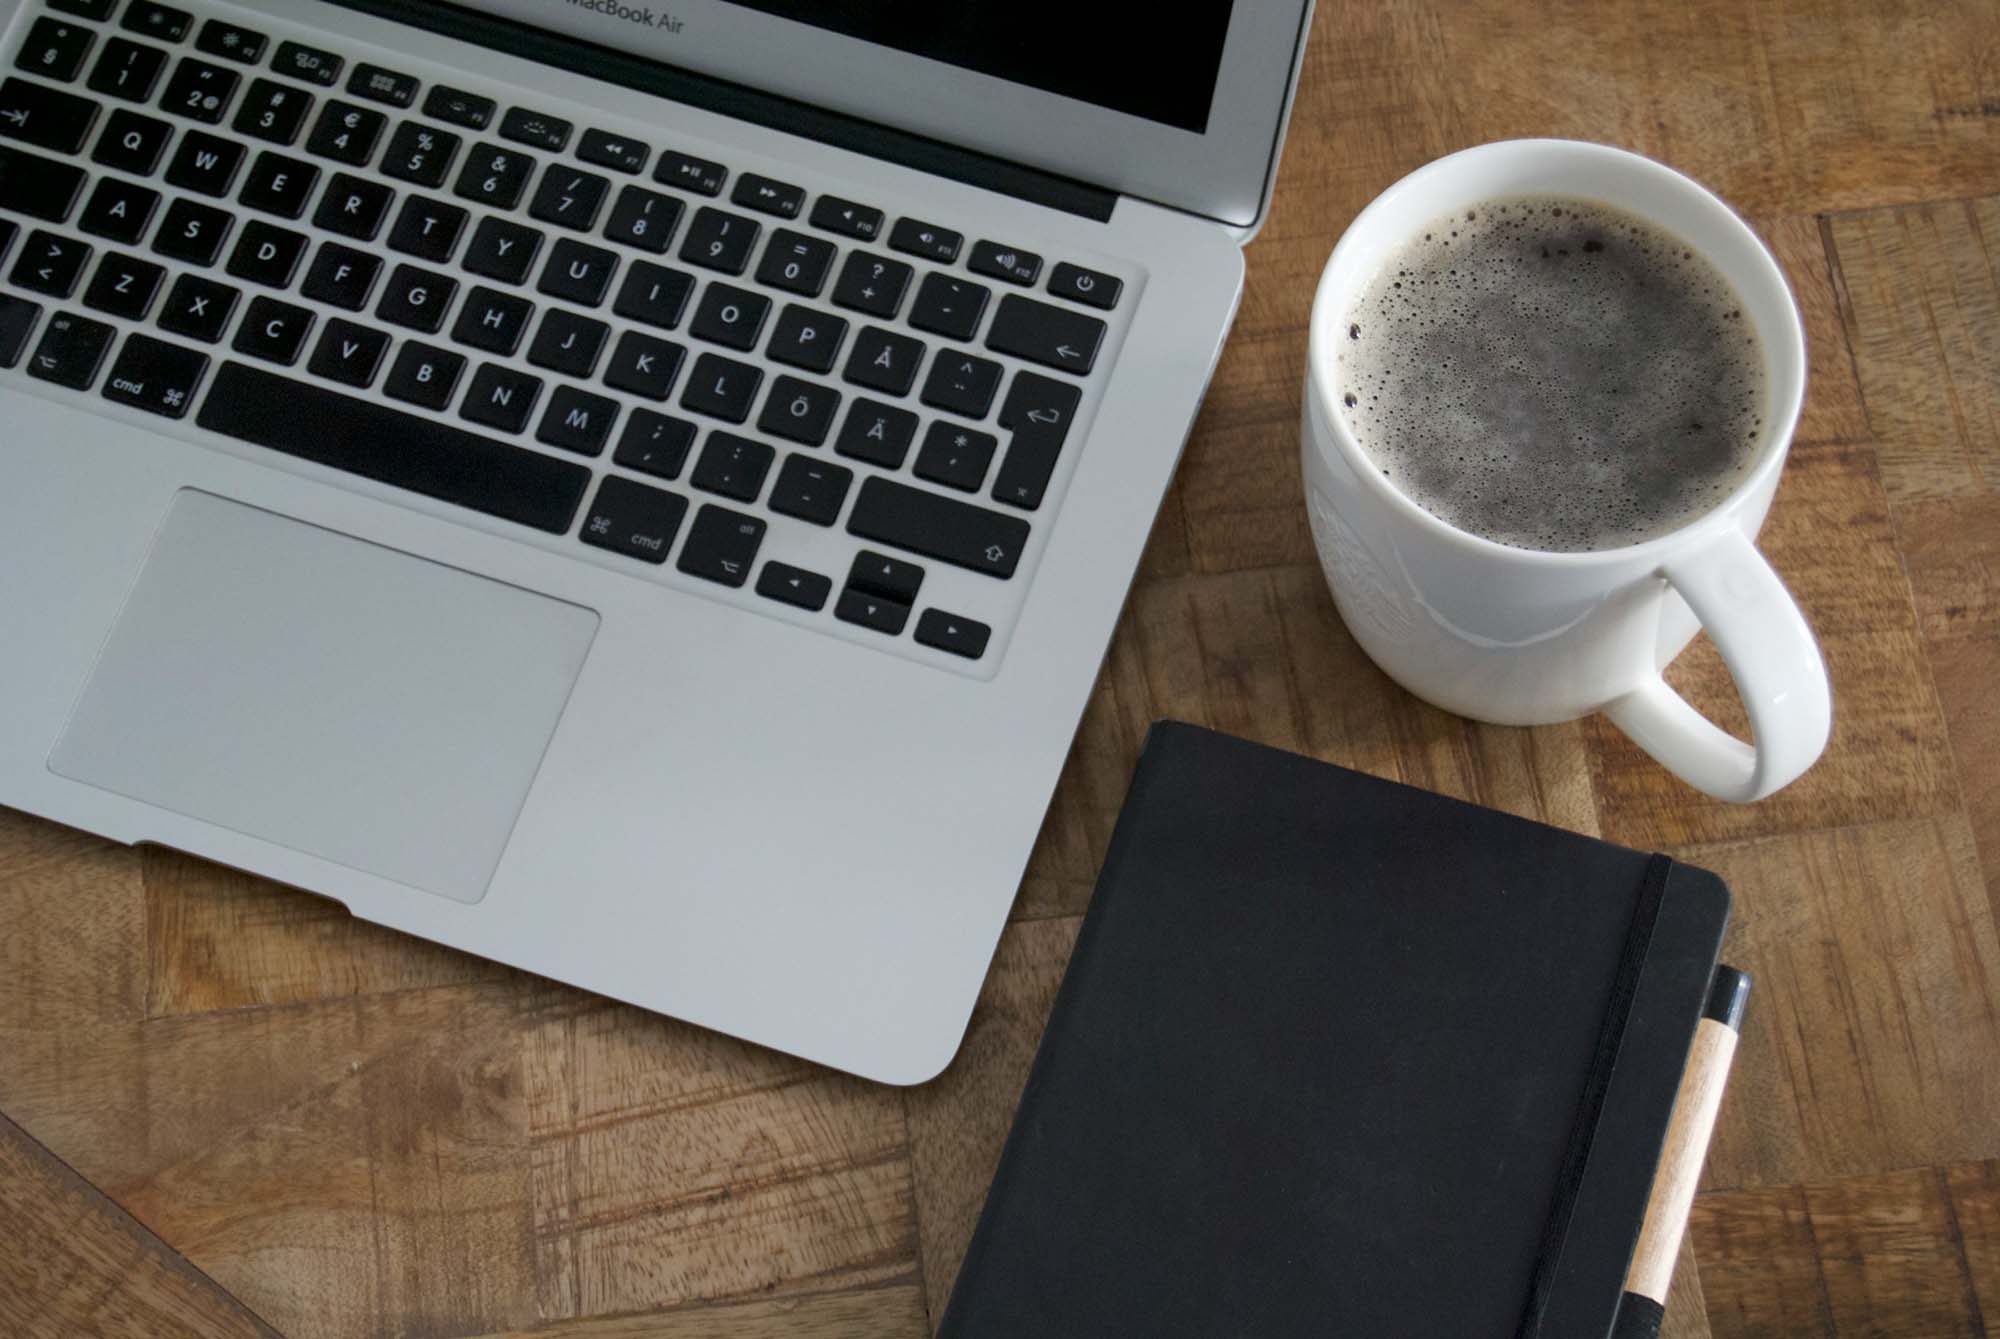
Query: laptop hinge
[[648, 75]]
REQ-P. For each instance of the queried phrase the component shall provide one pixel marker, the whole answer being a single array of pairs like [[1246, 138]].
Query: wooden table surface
[[229, 1109]]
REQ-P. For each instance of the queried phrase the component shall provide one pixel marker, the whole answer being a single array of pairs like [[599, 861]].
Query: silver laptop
[[637, 491]]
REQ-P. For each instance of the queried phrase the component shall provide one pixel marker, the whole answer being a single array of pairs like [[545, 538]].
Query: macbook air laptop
[[637, 491]]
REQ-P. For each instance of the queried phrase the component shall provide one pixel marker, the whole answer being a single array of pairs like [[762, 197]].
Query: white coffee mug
[[1522, 637]]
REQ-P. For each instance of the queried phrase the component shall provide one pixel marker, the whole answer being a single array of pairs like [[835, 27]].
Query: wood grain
[[892, 1312]]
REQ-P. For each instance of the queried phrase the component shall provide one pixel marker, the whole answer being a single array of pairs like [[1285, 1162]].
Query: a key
[[952, 632], [124, 286], [577, 421], [119, 210], [500, 397], [1040, 333], [9, 230], [767, 196], [377, 84], [811, 490], [402, 450], [278, 185], [71, 351], [346, 133], [883, 575], [192, 233], [420, 153], [732, 317], [631, 518], [423, 375], [883, 360], [1086, 286], [353, 206], [718, 240], [962, 383], [948, 306], [578, 273], [341, 276], [799, 411], [231, 42], [643, 219], [877, 433], [806, 338], [54, 49], [1039, 411], [132, 143], [17, 323], [164, 22], [955, 455], [655, 444], [274, 331], [502, 250], [861, 222], [925, 239], [155, 376], [569, 198], [96, 10], [127, 69], [1004, 262], [796, 263], [416, 298], [494, 176], [38, 187], [732, 466], [721, 545], [45, 117], [300, 61], [568, 343], [459, 108], [644, 365], [492, 320], [935, 526], [199, 91], [50, 264], [872, 284], [793, 585], [721, 388], [653, 294], [205, 164], [621, 153], [427, 229], [536, 129], [871, 610], [690, 173], [198, 308], [272, 111], [348, 353]]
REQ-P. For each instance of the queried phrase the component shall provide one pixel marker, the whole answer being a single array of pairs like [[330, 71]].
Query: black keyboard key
[[97, 10], [796, 263], [492, 320], [806, 338], [718, 240], [871, 611], [272, 111], [199, 91], [71, 351], [395, 448], [884, 360], [428, 229], [569, 197], [653, 294], [124, 286], [38, 187], [1004, 262], [568, 343], [8, 231], [955, 455], [205, 164], [721, 545], [811, 490], [55, 49], [799, 411], [192, 233], [621, 153], [340, 276], [500, 397], [119, 210], [936, 526], [416, 299], [377, 84], [279, 185], [128, 70], [536, 129], [299, 61], [45, 117], [877, 433], [948, 632], [50, 264], [458, 107], [231, 42], [354, 206], [1086, 286], [346, 133], [578, 273], [494, 176], [729, 316], [1052, 336], [767, 196], [502, 250], [962, 383], [644, 365], [17, 322], [732, 466], [420, 153], [630, 518], [880, 574], [861, 222], [721, 388], [348, 353], [131, 143], [577, 421], [947, 306], [164, 22], [872, 284], [793, 585], [690, 173], [423, 375], [918, 238], [1039, 411], [198, 308], [644, 219], [275, 331], [155, 376], [655, 444]]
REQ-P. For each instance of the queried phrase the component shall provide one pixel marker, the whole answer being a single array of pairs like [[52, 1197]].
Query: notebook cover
[[1336, 1056]]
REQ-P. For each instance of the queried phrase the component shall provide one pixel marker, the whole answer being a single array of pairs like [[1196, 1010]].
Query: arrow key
[[793, 585], [948, 632], [879, 574], [50, 264], [870, 610]]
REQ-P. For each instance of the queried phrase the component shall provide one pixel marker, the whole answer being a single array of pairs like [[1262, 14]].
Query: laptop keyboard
[[741, 384]]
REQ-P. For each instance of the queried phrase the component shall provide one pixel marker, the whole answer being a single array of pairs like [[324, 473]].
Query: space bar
[[395, 448]]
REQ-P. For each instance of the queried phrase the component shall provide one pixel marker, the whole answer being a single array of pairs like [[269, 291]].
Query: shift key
[[938, 527]]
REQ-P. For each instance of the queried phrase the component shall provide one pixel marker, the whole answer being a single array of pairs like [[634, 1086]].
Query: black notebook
[[1339, 1057]]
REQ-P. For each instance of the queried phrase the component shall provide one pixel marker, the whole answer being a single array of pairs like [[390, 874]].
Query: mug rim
[[1326, 314]]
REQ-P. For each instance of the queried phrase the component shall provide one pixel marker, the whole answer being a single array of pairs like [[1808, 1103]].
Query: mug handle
[[1772, 656]]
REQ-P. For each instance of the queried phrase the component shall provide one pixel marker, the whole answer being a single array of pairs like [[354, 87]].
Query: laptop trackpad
[[325, 693]]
